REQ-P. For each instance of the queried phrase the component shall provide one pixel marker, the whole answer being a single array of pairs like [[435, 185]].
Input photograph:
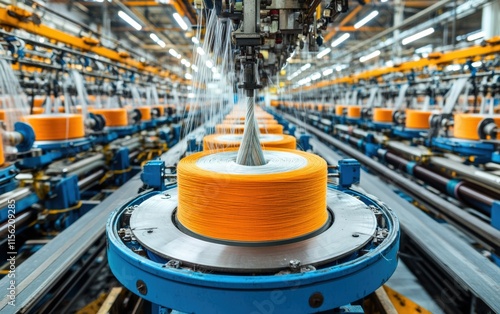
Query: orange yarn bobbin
[[161, 109], [3, 115], [252, 207], [114, 117], [339, 109], [383, 115], [38, 110], [354, 112], [145, 113], [466, 125], [417, 119], [56, 127], [222, 142], [238, 129], [259, 121]]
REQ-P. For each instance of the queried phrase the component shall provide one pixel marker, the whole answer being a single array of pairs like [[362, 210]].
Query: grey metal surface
[[469, 268], [42, 270], [473, 174], [16, 195], [152, 224], [413, 151]]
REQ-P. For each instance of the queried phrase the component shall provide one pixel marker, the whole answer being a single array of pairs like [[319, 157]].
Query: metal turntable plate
[[152, 223]]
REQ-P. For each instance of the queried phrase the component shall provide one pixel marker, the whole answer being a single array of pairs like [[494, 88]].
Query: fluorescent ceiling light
[[154, 37], [327, 72], [195, 40], [370, 56], [389, 64], [209, 64], [129, 20], [315, 76], [323, 53], [180, 21], [200, 51], [384, 0], [305, 67], [367, 19], [188, 76], [475, 36], [191, 95], [340, 40], [477, 64], [417, 36], [173, 52]]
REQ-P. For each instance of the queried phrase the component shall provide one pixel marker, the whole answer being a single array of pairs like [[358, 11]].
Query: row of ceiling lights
[[182, 24]]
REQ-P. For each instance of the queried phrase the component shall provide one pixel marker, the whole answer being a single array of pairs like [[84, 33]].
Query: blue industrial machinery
[[156, 260]]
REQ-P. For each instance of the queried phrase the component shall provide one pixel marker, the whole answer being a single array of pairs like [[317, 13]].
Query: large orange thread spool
[[3, 115], [354, 112], [466, 125], [383, 115], [238, 129], [281, 200], [222, 142], [238, 121], [417, 119], [145, 113], [339, 109], [56, 127], [114, 117]]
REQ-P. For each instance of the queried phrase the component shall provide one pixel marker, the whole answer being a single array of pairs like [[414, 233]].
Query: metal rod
[[487, 233]]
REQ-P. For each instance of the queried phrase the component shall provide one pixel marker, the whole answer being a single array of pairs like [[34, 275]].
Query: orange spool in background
[[339, 109], [238, 129], [417, 119], [114, 117], [466, 125], [56, 127], [354, 112], [145, 113], [238, 121], [161, 110], [281, 200], [383, 115], [222, 142], [38, 110]]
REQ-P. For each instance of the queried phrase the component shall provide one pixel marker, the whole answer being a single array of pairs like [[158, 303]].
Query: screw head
[[141, 287], [316, 300]]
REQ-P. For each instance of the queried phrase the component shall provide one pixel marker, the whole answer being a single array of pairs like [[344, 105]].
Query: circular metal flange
[[153, 225]]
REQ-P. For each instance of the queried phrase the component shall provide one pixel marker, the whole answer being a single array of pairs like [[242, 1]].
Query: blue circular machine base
[[194, 291]]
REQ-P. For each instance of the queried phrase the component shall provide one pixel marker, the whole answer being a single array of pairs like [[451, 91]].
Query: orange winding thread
[[382, 115], [3, 115], [252, 207], [219, 142], [354, 112], [238, 121], [417, 119], [238, 129], [145, 113], [56, 127], [258, 116], [114, 116], [465, 126]]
